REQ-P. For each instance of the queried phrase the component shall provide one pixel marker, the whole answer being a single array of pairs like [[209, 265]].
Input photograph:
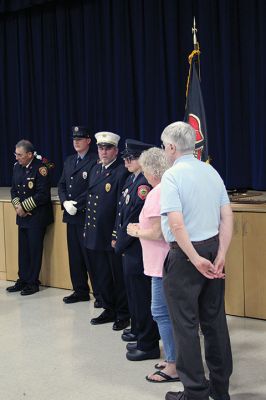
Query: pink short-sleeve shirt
[[154, 251]]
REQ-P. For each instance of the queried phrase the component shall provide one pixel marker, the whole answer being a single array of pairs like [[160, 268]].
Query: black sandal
[[167, 378]]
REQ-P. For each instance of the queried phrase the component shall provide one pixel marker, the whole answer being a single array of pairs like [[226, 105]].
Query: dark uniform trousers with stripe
[[194, 301], [73, 185], [138, 285], [31, 188]]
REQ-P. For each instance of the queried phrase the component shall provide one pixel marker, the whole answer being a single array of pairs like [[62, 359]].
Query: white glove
[[69, 207]]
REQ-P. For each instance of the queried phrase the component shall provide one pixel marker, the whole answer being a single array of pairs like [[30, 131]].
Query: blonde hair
[[154, 162]]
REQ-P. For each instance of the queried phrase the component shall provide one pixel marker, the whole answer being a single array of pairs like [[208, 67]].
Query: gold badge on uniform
[[43, 171], [30, 184], [108, 187]]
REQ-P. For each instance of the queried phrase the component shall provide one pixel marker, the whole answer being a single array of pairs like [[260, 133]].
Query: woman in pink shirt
[[155, 250]]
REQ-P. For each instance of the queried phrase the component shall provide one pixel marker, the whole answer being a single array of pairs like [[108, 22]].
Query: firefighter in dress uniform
[[106, 181], [143, 329], [72, 191], [31, 198]]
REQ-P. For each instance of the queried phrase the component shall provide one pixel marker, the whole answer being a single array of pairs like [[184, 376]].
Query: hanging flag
[[195, 112]]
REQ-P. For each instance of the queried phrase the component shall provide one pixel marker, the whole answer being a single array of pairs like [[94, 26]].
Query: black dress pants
[[79, 262], [138, 288], [109, 275], [192, 300], [30, 244]]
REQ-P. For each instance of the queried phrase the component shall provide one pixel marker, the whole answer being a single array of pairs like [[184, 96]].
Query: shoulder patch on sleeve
[[43, 171], [143, 190]]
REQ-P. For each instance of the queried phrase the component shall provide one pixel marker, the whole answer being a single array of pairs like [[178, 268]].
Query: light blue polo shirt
[[196, 189]]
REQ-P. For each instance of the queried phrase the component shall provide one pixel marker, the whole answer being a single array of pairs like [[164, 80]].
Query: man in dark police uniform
[[31, 198], [72, 191], [106, 182]]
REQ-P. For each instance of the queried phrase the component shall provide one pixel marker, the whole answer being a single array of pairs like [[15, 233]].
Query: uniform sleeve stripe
[[25, 205], [29, 204], [15, 201], [32, 202]]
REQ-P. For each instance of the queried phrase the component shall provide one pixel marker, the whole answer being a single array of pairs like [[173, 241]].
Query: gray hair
[[182, 135], [26, 144], [154, 162]]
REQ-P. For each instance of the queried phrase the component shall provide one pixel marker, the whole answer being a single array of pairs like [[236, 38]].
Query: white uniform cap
[[107, 138]]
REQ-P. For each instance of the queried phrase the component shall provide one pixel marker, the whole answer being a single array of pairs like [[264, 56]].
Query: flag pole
[[196, 44], [194, 33], [195, 52], [194, 108]]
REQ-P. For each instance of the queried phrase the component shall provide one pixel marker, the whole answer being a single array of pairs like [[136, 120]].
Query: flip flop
[[167, 378], [158, 366]]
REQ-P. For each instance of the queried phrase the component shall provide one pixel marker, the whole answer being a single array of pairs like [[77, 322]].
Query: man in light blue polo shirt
[[197, 222]]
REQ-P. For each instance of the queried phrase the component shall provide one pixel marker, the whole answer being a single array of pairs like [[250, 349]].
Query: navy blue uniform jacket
[[129, 207], [31, 188], [73, 185], [103, 195]]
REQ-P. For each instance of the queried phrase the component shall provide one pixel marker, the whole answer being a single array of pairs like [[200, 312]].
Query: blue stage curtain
[[16, 5], [121, 65]]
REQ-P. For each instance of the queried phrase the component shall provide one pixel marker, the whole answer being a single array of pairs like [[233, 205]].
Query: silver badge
[[76, 129], [125, 192], [127, 199], [84, 175]]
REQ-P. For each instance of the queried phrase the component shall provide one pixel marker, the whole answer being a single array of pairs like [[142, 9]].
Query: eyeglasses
[[19, 155]]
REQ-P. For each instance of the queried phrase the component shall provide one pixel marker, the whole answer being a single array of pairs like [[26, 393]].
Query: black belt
[[174, 245]]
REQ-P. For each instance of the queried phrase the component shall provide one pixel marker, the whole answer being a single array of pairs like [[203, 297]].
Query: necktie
[[78, 160], [103, 169]]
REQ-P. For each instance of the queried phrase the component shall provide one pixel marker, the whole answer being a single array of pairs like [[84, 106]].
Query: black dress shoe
[[98, 304], [120, 324], [131, 346], [215, 396], [104, 317], [17, 287], [75, 298], [175, 396], [139, 355], [29, 289], [129, 337], [127, 330]]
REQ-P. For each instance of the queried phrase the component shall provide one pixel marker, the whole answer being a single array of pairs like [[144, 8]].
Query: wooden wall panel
[[2, 244], [11, 242], [254, 249], [234, 269], [55, 268]]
